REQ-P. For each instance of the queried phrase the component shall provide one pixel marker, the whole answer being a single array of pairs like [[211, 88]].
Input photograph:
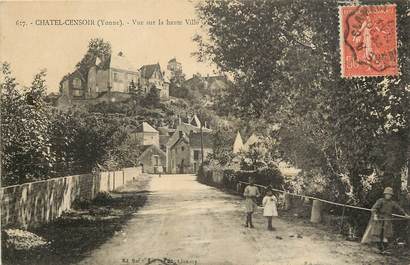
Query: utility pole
[[407, 91], [202, 141], [1, 138]]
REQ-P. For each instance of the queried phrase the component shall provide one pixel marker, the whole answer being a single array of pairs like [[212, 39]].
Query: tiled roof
[[195, 121], [238, 144], [145, 127], [121, 62], [165, 131], [195, 140], [148, 70]]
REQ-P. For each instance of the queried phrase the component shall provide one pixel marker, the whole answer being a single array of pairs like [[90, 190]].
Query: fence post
[[109, 182], [288, 201], [316, 216], [238, 187], [113, 181], [341, 223]]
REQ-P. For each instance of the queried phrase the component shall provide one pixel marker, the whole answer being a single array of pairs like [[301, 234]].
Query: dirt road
[[192, 223]]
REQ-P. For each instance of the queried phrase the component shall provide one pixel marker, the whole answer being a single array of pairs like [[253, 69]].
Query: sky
[[58, 48]]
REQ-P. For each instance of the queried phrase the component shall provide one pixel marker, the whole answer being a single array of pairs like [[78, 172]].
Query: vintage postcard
[[205, 132]]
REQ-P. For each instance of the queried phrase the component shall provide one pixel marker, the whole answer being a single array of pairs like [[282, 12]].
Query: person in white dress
[[269, 207]]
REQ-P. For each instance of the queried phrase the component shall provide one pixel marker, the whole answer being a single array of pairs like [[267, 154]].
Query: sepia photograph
[[205, 132]]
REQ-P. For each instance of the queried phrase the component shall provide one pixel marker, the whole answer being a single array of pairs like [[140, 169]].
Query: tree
[[25, 138], [128, 151], [152, 99], [222, 141], [349, 124]]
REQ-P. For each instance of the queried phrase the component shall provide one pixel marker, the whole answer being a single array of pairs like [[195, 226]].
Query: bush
[[266, 176], [102, 198], [81, 204]]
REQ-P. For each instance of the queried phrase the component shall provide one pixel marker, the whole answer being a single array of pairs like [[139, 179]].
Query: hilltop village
[[110, 80]]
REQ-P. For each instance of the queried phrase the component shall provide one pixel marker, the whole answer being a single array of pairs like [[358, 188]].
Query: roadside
[[78, 231], [191, 223]]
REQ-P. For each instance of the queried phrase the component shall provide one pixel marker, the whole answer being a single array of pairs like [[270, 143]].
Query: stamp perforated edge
[[341, 41]]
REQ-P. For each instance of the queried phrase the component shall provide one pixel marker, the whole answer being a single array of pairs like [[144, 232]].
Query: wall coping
[[44, 180]]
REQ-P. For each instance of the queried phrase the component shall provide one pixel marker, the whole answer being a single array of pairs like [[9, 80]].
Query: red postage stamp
[[368, 40]]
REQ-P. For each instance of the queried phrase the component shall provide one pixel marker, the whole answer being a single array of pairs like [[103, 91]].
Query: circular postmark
[[369, 35]]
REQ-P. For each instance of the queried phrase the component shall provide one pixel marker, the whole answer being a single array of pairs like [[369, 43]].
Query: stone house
[[74, 85], [151, 75], [112, 74], [146, 135], [210, 85], [186, 128], [184, 153], [152, 158], [165, 134], [174, 66], [195, 149]]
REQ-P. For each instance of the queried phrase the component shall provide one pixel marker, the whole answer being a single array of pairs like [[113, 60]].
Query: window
[[77, 93], [77, 83], [182, 148], [196, 155], [117, 77], [156, 160]]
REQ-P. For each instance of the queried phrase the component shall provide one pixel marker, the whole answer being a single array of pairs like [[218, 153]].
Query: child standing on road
[[380, 228], [269, 207], [251, 193]]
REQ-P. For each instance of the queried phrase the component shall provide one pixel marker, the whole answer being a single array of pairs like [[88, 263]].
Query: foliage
[[97, 49], [179, 92], [264, 176], [102, 198], [152, 99], [25, 123], [222, 141], [41, 142], [127, 151], [81, 203], [345, 129]]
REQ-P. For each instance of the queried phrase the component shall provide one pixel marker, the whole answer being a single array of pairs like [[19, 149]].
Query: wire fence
[[322, 200]]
